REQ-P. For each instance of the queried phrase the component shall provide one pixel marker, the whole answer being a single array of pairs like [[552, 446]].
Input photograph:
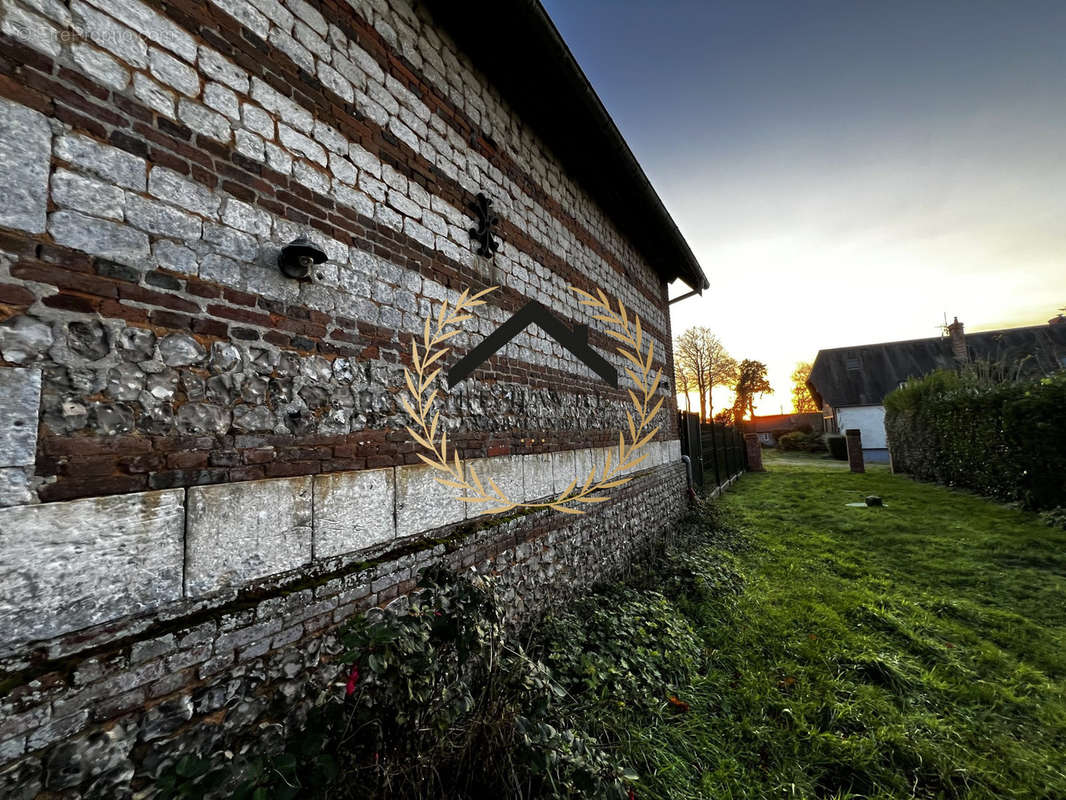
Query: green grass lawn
[[915, 650]]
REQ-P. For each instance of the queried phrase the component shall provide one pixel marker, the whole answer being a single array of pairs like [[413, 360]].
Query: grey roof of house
[[877, 369], [515, 43]]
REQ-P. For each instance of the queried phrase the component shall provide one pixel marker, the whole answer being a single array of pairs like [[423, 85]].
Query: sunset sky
[[846, 172]]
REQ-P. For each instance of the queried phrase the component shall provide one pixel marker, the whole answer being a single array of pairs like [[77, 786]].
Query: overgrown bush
[[837, 446], [801, 441], [446, 702], [1002, 438], [791, 441], [633, 647], [441, 701]]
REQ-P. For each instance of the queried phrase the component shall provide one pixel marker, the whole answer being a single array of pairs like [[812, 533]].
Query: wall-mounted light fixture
[[297, 258]]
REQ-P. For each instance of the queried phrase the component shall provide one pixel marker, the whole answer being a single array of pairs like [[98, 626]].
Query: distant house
[[771, 427], [850, 383]]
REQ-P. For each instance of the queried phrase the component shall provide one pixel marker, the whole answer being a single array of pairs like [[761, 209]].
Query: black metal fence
[[717, 451]]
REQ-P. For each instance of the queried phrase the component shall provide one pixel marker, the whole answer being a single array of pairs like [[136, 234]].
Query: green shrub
[[800, 440], [633, 646], [837, 446], [792, 441], [1055, 518], [441, 700], [1005, 439], [459, 707]]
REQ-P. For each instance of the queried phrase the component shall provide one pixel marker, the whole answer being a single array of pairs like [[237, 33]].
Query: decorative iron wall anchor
[[486, 226]]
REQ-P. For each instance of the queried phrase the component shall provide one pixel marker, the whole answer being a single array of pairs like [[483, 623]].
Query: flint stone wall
[[203, 467]]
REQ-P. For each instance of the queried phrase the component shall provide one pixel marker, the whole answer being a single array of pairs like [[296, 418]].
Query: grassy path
[[916, 650]]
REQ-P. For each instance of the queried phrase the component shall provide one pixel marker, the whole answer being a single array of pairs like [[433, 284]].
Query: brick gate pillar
[[751, 442], [854, 437]]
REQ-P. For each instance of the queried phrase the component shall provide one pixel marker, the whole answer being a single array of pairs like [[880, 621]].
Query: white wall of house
[[871, 421]]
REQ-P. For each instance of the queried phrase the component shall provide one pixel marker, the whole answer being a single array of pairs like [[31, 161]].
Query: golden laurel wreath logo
[[424, 361]]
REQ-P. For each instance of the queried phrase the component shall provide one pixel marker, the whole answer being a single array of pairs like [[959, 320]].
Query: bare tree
[[699, 353], [683, 382]]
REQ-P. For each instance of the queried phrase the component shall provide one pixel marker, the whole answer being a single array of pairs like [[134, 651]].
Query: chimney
[[958, 341]]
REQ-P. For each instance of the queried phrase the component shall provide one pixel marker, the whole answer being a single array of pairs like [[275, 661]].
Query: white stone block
[[647, 455], [52, 9], [312, 41], [353, 511], [655, 455], [29, 29], [203, 120], [174, 256], [245, 217], [278, 159], [588, 460], [174, 72], [222, 99], [75, 191], [25, 144], [272, 100], [154, 95], [98, 236], [15, 488], [300, 55], [100, 65], [160, 218], [168, 185], [153, 25], [257, 120], [314, 179], [336, 82], [309, 15], [539, 480], [108, 162], [507, 472], [564, 469], [67, 566], [301, 145], [423, 504], [215, 66], [109, 34], [20, 400], [246, 14], [238, 532]]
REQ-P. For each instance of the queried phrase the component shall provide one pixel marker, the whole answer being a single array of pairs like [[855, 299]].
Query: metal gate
[[717, 452]]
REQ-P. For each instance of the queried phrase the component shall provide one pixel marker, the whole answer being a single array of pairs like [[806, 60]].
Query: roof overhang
[[517, 46]]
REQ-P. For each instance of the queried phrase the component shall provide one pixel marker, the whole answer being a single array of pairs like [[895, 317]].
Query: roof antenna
[[943, 327]]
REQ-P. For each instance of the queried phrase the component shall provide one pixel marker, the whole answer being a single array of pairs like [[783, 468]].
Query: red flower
[[353, 677]]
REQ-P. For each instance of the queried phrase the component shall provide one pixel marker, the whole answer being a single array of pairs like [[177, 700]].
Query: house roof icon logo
[[534, 313]]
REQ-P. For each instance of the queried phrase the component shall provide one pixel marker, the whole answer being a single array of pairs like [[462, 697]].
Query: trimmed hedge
[[1006, 440]]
